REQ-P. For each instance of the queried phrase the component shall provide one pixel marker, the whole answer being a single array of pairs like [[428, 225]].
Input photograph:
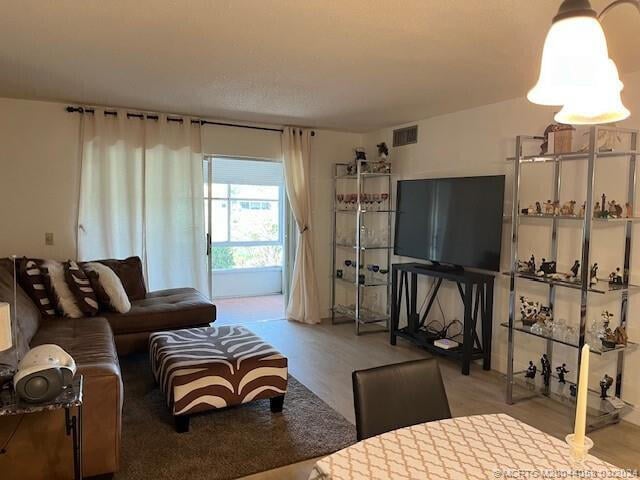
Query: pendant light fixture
[[576, 71]]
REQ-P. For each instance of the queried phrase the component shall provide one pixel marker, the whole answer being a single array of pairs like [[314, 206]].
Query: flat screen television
[[451, 221]]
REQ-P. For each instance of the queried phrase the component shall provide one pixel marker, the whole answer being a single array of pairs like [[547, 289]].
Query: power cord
[[3, 449]]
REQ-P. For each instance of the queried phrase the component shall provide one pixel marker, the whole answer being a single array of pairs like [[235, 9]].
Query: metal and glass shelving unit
[[367, 216], [600, 412]]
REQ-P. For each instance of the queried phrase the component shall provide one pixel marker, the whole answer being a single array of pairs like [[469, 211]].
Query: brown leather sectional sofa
[[39, 448]]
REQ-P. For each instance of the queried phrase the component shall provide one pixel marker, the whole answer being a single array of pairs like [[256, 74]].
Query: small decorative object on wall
[[546, 369], [593, 274], [531, 371], [562, 371], [615, 278], [605, 385]]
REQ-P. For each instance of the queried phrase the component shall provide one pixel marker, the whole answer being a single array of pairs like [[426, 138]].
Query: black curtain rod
[[71, 109]]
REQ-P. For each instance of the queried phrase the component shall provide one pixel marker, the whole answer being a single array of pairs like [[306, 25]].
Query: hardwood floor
[[232, 311], [322, 357]]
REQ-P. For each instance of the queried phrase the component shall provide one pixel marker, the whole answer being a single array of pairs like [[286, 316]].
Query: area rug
[[225, 444]]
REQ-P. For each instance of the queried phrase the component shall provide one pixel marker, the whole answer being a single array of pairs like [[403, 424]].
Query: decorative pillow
[[129, 271], [81, 289], [64, 298], [35, 285], [108, 287]]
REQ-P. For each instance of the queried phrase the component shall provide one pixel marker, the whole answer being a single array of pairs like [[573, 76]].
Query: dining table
[[477, 447]]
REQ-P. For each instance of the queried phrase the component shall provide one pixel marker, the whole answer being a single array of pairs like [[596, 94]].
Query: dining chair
[[394, 396]]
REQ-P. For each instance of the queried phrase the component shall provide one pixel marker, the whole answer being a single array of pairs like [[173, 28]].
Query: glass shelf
[[599, 411], [601, 287], [364, 175], [554, 157], [536, 216], [348, 210], [595, 349], [366, 315], [373, 247], [366, 284]]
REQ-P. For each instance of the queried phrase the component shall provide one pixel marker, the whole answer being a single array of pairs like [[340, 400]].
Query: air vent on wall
[[405, 136]]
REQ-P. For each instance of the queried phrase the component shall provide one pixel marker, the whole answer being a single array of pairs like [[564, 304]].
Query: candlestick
[[580, 444]]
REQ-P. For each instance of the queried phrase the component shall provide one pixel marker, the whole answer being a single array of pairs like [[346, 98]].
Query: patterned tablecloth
[[479, 448]]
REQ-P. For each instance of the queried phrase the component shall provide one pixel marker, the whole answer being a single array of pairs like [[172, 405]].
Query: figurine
[[556, 207], [547, 268], [532, 264], [548, 207], [593, 274], [538, 208], [608, 339], [629, 209], [546, 369], [606, 318], [605, 384], [603, 212], [573, 390], [568, 208], [583, 209], [562, 371], [597, 210], [615, 210], [360, 154], [575, 269], [620, 334], [383, 151], [531, 371], [533, 312], [615, 278]]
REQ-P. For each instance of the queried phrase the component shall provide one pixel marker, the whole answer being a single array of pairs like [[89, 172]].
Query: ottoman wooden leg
[[182, 423], [277, 403]]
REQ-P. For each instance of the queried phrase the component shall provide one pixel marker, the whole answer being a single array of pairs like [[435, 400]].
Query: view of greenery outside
[[244, 215]]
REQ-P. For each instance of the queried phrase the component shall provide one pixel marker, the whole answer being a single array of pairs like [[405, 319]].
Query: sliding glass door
[[244, 211]]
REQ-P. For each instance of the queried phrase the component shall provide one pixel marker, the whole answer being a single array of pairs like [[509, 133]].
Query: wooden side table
[[69, 399]]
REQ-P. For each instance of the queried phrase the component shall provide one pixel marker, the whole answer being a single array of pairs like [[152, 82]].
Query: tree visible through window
[[247, 227]]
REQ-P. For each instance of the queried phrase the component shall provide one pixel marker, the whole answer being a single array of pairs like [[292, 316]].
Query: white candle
[[5, 327], [581, 405]]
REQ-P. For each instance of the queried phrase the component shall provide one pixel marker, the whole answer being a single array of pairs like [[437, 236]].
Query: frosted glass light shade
[[599, 104], [5, 327], [574, 55]]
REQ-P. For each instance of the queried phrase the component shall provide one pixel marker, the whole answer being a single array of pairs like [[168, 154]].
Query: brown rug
[[226, 444]]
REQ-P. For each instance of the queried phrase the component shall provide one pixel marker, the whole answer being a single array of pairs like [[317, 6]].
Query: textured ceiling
[[344, 64]]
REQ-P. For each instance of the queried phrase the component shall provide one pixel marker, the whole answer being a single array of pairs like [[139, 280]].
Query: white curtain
[[303, 297], [142, 193]]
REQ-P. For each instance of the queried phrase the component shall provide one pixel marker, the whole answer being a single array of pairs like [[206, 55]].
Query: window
[[247, 213]]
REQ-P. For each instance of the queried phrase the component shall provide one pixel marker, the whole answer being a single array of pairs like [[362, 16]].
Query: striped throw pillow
[[34, 283], [80, 287]]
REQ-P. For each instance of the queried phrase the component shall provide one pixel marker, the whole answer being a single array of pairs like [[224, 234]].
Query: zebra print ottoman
[[207, 368]]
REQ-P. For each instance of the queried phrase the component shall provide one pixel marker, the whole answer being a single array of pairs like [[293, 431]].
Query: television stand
[[476, 292], [441, 267]]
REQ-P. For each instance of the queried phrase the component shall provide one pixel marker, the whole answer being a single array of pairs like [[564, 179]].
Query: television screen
[[456, 221]]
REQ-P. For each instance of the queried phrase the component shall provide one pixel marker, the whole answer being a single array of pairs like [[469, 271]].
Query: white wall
[[247, 282], [38, 178], [476, 142]]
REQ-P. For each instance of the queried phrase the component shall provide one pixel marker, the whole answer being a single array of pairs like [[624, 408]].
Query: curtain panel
[[142, 193], [303, 293]]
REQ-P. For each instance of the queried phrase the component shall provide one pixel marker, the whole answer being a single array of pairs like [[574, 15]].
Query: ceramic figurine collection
[[561, 373], [601, 209], [601, 332], [381, 165], [548, 269]]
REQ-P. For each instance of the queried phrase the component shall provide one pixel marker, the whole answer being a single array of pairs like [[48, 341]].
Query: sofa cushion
[[130, 273], [35, 284], [164, 310], [28, 315], [81, 288], [88, 340]]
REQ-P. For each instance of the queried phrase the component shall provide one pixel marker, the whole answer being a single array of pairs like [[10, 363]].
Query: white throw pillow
[[66, 300], [111, 285]]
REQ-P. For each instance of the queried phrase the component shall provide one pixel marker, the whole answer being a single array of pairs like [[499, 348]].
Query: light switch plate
[[48, 238]]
